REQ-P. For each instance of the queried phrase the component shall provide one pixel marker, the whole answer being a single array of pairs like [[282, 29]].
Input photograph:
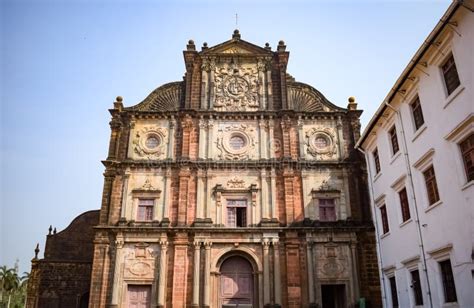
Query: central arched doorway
[[236, 283]]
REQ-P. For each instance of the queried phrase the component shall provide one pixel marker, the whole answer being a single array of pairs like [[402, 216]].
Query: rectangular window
[[376, 161], [394, 140], [416, 287], [467, 151], [383, 215], [404, 204], [450, 74], [236, 213], [417, 113], [327, 210], [145, 209], [393, 291], [431, 186], [448, 281]]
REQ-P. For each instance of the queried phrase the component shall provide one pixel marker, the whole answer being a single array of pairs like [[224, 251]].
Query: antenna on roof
[[236, 20]]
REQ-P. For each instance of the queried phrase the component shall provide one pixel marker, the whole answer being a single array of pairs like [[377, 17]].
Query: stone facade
[[237, 187]]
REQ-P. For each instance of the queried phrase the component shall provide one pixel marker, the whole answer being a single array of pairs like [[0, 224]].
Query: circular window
[[152, 142], [236, 142], [320, 142]]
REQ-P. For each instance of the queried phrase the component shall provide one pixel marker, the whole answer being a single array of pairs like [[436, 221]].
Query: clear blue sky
[[62, 65]]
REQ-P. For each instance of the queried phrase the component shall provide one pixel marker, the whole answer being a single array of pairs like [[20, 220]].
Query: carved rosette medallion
[[236, 142], [321, 143], [150, 142], [236, 88]]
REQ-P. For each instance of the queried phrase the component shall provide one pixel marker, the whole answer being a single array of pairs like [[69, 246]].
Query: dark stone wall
[[62, 277]]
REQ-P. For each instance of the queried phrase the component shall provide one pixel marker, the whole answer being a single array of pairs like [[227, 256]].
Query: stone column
[[309, 257], [355, 275], [341, 138], [205, 83], [210, 133], [162, 275], [276, 272], [118, 262], [207, 197], [345, 202], [197, 256], [269, 84], [264, 198], [301, 138], [274, 194], [307, 197], [271, 148], [261, 83], [200, 195], [123, 212], [167, 195], [263, 140], [172, 125], [207, 274], [212, 65], [266, 272], [202, 139]]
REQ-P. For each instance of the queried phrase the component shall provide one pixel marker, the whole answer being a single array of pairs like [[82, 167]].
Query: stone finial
[[267, 46], [118, 103], [191, 46], [281, 46], [352, 103], [236, 35], [204, 46], [37, 250], [54, 231], [50, 229]]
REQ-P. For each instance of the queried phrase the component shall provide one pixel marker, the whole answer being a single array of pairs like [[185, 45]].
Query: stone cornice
[[213, 164], [206, 114], [303, 226]]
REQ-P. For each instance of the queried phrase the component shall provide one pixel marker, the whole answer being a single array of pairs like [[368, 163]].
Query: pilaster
[[172, 127], [202, 138], [309, 258], [207, 274], [266, 271], [196, 274], [117, 270], [276, 272], [161, 301]]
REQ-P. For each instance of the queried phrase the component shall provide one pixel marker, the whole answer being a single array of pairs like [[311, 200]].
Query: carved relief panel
[[236, 86], [139, 262], [236, 141], [333, 261], [320, 143], [149, 140]]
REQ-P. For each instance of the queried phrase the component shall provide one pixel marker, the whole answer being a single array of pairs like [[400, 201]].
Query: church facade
[[236, 187]]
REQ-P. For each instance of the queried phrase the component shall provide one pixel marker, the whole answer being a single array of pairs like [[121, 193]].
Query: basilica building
[[236, 187]]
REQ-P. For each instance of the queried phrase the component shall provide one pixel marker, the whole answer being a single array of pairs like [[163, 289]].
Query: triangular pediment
[[239, 47], [235, 50]]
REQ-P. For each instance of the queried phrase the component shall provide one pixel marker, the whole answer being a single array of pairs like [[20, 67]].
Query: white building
[[419, 148]]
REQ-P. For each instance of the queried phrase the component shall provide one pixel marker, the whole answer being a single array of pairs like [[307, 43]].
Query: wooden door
[[236, 285], [139, 296]]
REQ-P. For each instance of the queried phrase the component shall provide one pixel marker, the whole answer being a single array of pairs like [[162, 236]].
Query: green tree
[[12, 287]]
